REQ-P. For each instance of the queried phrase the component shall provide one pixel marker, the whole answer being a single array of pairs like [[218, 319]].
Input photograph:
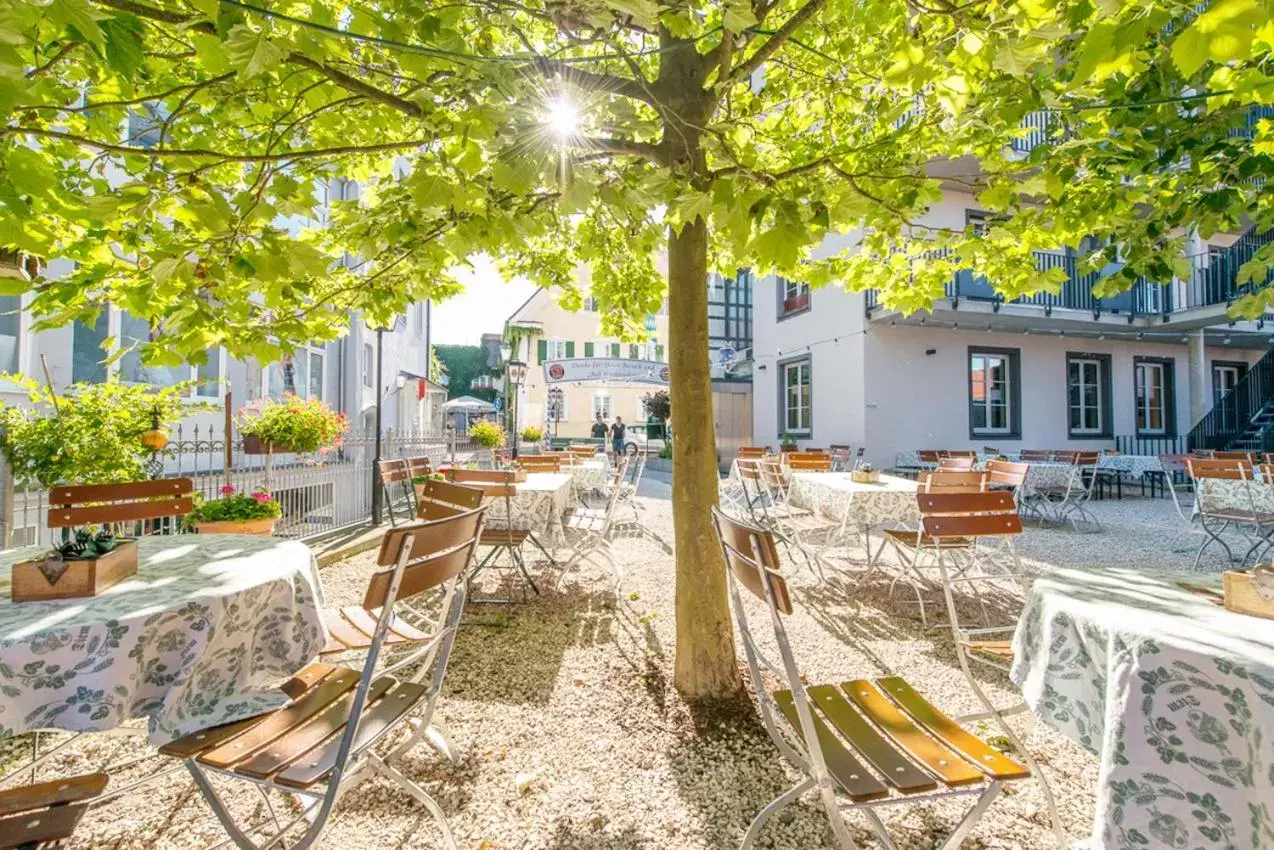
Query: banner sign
[[615, 369]]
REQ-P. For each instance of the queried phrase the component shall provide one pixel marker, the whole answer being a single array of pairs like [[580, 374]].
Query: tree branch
[[744, 69], [622, 147], [590, 80], [173, 153], [163, 16], [53, 60], [357, 86]]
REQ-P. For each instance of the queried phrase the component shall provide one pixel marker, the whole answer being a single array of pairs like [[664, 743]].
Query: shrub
[[531, 434], [487, 434], [95, 435], [666, 452], [294, 424], [235, 507]]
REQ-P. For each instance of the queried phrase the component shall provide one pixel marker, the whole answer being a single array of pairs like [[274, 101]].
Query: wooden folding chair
[[395, 482], [1224, 494], [46, 814], [1007, 475], [440, 499], [1036, 455], [500, 534], [134, 509], [831, 734], [753, 451], [540, 463], [929, 458], [329, 737], [590, 529], [956, 464], [841, 458], [1250, 457], [802, 463], [584, 452]]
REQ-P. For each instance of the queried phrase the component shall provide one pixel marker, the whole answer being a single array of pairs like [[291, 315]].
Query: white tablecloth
[[893, 500], [1133, 466], [537, 506], [589, 475], [1173, 693], [200, 636]]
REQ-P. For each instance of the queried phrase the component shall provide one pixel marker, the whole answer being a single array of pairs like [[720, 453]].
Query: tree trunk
[[705, 665]]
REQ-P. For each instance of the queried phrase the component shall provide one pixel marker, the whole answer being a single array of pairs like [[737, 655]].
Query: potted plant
[[236, 513], [292, 424], [531, 434], [787, 443], [488, 435], [84, 564]]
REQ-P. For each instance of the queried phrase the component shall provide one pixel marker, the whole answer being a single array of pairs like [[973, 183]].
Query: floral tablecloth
[[1174, 694], [1133, 466], [892, 500], [537, 506], [589, 475], [1217, 493], [200, 636]]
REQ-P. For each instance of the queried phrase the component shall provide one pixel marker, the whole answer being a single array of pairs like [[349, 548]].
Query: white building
[[1065, 371]]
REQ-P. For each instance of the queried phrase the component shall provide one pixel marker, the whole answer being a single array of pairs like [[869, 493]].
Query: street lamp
[[516, 373], [555, 408]]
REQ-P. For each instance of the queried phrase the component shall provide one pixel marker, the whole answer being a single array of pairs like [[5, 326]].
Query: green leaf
[[80, 16], [251, 52], [738, 17], [124, 50]]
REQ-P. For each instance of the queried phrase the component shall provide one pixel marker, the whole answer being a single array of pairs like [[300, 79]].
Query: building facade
[[1045, 371], [541, 330]]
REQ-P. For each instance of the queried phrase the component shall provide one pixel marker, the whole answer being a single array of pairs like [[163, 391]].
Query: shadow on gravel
[[593, 835], [518, 662]]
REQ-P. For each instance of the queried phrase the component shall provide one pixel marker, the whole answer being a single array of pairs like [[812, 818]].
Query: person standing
[[617, 438], [599, 433]]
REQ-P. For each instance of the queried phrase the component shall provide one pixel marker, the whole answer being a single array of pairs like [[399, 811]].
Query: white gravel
[[571, 735]]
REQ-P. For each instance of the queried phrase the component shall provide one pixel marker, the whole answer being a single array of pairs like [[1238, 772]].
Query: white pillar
[[1198, 379]]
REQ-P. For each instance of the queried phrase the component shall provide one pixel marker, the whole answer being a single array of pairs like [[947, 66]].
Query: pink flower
[[227, 490], [261, 496]]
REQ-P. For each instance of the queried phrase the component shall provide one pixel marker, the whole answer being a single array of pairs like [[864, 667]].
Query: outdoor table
[[1133, 466], [1239, 495], [589, 475], [1174, 695], [867, 506], [201, 635], [537, 505]]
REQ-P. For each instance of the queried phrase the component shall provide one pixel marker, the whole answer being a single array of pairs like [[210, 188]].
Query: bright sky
[[482, 308]]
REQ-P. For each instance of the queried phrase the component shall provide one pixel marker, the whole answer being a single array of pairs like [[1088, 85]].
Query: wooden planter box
[[87, 577], [263, 527], [1244, 595], [858, 476]]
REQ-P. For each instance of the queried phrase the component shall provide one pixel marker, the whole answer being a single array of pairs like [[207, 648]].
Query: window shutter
[[588, 349], [659, 353], [570, 350], [614, 349], [634, 351], [541, 350]]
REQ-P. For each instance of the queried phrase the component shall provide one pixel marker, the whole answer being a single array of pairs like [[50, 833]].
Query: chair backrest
[[753, 451], [1250, 457], [957, 463], [418, 467], [812, 449], [440, 499], [1007, 473], [1034, 454], [479, 476], [1087, 458], [945, 481], [836, 447], [586, 451], [930, 456], [957, 453], [800, 463], [1265, 473], [990, 514], [111, 504], [773, 477], [1226, 470], [431, 552], [636, 468], [540, 463], [392, 471], [1064, 456]]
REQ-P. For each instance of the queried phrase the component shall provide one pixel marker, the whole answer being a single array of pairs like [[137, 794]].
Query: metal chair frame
[[1256, 526], [594, 532], [355, 760], [753, 562]]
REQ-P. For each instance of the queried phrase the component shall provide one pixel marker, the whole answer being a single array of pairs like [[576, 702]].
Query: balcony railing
[[1214, 280]]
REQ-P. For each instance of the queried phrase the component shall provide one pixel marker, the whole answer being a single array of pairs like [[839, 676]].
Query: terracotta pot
[[263, 527]]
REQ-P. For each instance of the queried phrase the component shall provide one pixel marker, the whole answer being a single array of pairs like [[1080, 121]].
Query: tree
[[610, 133], [462, 364]]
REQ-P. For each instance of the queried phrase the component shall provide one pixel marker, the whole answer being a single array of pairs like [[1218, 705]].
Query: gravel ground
[[571, 736]]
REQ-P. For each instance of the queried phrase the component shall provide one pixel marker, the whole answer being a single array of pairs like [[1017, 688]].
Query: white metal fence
[[319, 493]]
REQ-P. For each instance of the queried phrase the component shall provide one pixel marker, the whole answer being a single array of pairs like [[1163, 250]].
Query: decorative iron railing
[[1232, 415]]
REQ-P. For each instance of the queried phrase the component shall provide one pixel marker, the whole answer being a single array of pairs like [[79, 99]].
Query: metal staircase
[[1243, 420]]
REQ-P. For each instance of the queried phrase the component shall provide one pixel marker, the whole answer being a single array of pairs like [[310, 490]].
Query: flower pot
[[82, 577], [264, 527]]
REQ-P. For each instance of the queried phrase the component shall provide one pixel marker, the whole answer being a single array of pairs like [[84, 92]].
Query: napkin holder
[[1250, 593], [864, 476], [78, 578]]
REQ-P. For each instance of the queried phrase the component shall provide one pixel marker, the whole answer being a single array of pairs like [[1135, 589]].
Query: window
[[1226, 375], [133, 331], [796, 397], [600, 348], [369, 366], [300, 373], [555, 349], [590, 304], [601, 404], [10, 323], [1154, 395], [1088, 395], [559, 414], [993, 392], [793, 297]]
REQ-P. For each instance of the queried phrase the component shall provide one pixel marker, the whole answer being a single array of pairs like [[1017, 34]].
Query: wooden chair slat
[[993, 501], [57, 792], [856, 780], [306, 679], [1226, 470], [365, 621], [61, 517], [315, 765], [1001, 649], [296, 740], [939, 760], [956, 463], [37, 828], [428, 537], [738, 541], [476, 476], [985, 525], [276, 724], [345, 634], [899, 770], [191, 745], [452, 493], [951, 481], [418, 577], [993, 763], [158, 489]]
